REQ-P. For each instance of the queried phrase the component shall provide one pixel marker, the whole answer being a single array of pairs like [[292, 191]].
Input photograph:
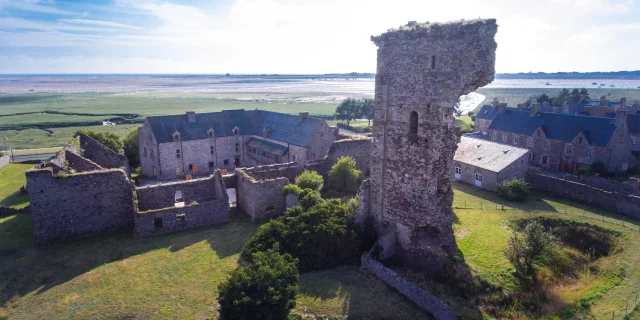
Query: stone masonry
[[423, 69]]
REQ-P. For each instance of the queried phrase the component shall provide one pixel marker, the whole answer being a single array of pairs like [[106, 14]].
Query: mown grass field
[[11, 179]]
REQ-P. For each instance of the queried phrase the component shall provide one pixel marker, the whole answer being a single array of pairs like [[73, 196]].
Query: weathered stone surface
[[413, 292], [100, 154], [78, 204], [160, 196], [80, 164], [260, 189], [176, 219], [4, 160], [621, 203], [422, 72]]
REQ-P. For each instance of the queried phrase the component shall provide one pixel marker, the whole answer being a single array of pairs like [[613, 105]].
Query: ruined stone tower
[[423, 69]]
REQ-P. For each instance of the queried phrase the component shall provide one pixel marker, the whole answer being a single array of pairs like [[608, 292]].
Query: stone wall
[[103, 156], [80, 164], [413, 292], [176, 219], [260, 189], [422, 72], [4, 160], [78, 204], [632, 187], [359, 149], [159, 196], [613, 201]]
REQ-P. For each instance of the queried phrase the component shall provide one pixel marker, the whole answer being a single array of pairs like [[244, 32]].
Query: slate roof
[[266, 145], [633, 123], [282, 127], [486, 154], [488, 112], [557, 126]]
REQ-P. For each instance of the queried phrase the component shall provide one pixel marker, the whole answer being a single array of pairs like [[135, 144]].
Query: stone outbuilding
[[485, 164]]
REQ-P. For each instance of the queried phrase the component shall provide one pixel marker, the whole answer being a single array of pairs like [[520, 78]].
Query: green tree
[[368, 107], [108, 139], [513, 190], [264, 289], [131, 150], [528, 250], [349, 109], [585, 93], [310, 180], [344, 178]]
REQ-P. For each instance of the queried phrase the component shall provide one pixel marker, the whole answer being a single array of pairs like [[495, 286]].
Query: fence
[[622, 314]]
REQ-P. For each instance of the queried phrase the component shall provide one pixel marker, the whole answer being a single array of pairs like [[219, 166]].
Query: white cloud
[[99, 23], [33, 6], [597, 6]]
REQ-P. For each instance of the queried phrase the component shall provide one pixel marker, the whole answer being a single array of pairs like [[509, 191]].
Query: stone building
[[485, 163], [173, 146], [567, 142], [423, 69]]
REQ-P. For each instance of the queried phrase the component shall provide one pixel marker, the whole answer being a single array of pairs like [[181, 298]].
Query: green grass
[[11, 179], [36, 151]]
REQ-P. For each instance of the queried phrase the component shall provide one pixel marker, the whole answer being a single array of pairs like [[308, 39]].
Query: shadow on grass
[[26, 268], [533, 202]]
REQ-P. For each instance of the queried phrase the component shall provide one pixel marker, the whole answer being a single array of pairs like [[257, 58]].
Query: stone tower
[[423, 69]]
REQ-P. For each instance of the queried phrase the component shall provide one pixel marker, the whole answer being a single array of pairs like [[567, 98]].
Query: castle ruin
[[422, 71]]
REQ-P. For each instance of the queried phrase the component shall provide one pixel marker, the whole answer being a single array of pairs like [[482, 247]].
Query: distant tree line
[[558, 100], [351, 109]]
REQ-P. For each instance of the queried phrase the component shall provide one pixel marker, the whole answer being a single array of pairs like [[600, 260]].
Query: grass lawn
[[11, 179], [36, 151]]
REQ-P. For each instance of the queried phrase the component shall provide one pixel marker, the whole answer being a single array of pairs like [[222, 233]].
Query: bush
[[320, 237], [529, 249], [265, 289], [600, 169], [585, 171], [310, 180], [513, 190], [131, 150], [344, 178], [291, 188], [109, 140]]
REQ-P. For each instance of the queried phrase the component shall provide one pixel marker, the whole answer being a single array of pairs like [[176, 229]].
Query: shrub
[[291, 188], [600, 169], [108, 139], [309, 198], [471, 113], [265, 289], [513, 190], [310, 180], [320, 237], [353, 206], [529, 249], [344, 178], [585, 171]]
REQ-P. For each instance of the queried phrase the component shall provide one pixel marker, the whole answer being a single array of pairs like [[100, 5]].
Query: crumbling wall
[[100, 154], [359, 149], [613, 201], [80, 164], [422, 71], [79, 204], [175, 219], [260, 189], [4, 160], [152, 197]]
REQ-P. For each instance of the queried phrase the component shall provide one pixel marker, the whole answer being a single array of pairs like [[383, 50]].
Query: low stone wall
[[632, 187], [320, 166], [6, 211], [160, 196], [230, 180], [78, 204], [100, 154], [4, 160], [174, 219], [261, 199], [288, 170], [359, 149], [80, 164], [613, 201], [413, 292]]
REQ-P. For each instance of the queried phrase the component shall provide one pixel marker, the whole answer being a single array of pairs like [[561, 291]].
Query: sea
[[250, 84]]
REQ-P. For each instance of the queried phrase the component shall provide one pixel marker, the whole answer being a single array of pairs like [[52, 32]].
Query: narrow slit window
[[413, 123], [433, 62]]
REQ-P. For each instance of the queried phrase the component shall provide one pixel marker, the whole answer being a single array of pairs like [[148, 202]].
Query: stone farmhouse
[[174, 146], [565, 141], [486, 163]]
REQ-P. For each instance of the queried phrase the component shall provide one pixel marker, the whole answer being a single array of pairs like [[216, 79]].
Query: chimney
[[303, 115], [566, 107], [621, 116], [495, 103], [520, 106], [555, 109], [604, 102], [191, 116], [623, 102], [534, 109]]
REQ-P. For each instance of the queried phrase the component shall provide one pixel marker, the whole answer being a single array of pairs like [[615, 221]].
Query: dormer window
[[538, 133], [176, 136], [580, 140], [210, 133], [530, 141], [178, 153], [235, 131]]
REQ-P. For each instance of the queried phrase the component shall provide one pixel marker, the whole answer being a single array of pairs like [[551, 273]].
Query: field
[[11, 179]]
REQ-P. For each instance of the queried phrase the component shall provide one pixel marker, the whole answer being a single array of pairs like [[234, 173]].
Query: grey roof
[[281, 127], [488, 112], [556, 126], [486, 154], [266, 145]]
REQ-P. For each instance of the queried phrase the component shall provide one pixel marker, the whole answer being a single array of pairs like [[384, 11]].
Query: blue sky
[[299, 36]]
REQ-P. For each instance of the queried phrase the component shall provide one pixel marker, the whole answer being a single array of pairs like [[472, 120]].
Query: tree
[[310, 180], [513, 190], [599, 168], [131, 149], [367, 109], [529, 249], [108, 139], [344, 178], [585, 93], [347, 110], [265, 289]]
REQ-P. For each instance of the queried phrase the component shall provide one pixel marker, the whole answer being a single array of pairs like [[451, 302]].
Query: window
[[538, 133], [589, 152], [580, 140], [634, 139], [191, 167], [516, 139], [532, 157], [458, 171], [433, 62], [153, 156], [237, 162], [293, 157], [157, 223], [180, 217], [177, 171], [235, 131], [210, 164], [176, 137], [530, 141], [226, 162], [178, 153], [521, 162], [145, 151], [478, 176], [504, 137], [237, 147], [210, 134], [178, 197], [211, 149], [545, 159], [568, 149], [546, 144], [413, 123], [494, 135]]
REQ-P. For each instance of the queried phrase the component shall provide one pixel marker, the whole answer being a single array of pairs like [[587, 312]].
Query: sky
[[300, 36]]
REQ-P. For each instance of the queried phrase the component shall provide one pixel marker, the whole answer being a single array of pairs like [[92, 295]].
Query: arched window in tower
[[413, 123]]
